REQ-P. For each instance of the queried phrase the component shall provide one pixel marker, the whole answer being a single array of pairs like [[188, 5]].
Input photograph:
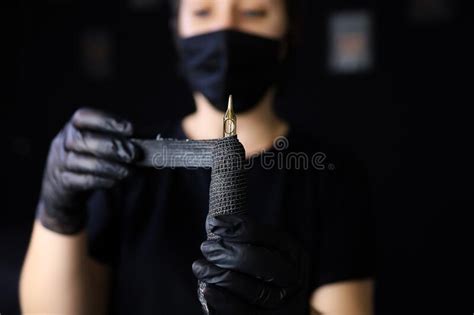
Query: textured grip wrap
[[172, 153], [227, 192]]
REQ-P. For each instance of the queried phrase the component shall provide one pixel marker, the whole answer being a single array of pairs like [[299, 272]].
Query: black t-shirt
[[149, 228]]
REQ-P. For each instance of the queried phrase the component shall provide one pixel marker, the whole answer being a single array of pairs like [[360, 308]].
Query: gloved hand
[[91, 152], [252, 269]]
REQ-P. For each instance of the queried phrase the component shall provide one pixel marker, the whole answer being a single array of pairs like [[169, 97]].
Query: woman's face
[[266, 18]]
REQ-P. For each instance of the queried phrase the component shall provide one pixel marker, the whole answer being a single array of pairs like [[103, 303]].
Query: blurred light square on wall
[[350, 42], [97, 54]]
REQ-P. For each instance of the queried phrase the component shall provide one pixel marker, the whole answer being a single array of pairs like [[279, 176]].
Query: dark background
[[407, 119]]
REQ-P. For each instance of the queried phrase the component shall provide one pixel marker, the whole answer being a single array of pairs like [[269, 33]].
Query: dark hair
[[294, 13]]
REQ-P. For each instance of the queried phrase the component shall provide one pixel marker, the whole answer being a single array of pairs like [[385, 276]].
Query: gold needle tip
[[230, 120], [230, 104]]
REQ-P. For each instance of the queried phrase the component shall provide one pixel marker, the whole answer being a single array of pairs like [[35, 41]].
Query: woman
[[109, 239]]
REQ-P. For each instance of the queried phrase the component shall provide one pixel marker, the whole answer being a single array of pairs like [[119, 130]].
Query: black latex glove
[[91, 152], [252, 269]]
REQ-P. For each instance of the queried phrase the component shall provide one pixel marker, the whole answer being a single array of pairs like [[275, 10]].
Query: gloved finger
[[259, 262], [92, 119], [251, 290], [243, 229], [77, 181], [85, 164], [220, 302], [101, 146]]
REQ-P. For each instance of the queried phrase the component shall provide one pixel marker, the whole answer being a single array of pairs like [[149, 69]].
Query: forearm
[[58, 277], [91, 152], [346, 297]]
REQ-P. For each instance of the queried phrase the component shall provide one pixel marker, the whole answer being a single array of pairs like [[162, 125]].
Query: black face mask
[[227, 62]]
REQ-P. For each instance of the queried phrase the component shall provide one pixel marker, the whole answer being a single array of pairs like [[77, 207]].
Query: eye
[[254, 13], [202, 12]]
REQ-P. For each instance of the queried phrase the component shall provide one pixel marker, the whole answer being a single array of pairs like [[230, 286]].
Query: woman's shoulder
[[318, 147], [301, 140]]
